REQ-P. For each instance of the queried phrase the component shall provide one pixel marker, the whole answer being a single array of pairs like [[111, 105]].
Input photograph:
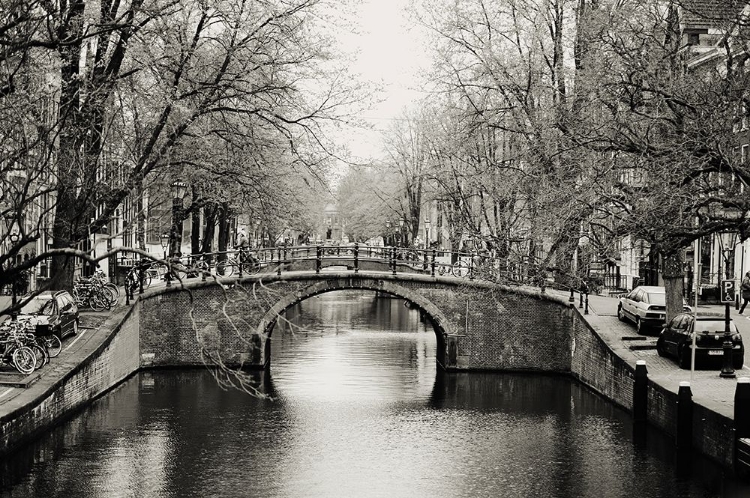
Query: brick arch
[[441, 324]]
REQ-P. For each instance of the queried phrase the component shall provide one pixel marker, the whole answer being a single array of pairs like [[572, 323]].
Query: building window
[[694, 39]]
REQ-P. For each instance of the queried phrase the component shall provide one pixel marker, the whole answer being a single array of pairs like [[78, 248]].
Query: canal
[[359, 409]]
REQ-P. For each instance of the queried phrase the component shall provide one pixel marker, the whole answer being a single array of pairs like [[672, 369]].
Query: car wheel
[[620, 314], [75, 327], [683, 357], [660, 347], [638, 326]]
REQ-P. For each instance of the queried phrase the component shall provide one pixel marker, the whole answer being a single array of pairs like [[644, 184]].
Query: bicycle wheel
[[96, 302], [24, 360], [114, 289], [460, 269], [53, 343], [109, 296], [41, 356], [225, 269]]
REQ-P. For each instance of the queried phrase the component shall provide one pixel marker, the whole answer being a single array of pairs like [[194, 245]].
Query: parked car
[[52, 312], [646, 307], [676, 340]]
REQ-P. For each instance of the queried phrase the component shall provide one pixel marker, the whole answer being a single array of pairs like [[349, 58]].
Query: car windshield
[[38, 305], [714, 326], [657, 298]]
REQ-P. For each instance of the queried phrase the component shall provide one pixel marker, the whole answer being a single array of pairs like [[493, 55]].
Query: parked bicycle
[[91, 293], [14, 350], [243, 259]]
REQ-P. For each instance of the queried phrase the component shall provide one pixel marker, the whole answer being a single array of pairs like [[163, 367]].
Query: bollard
[[318, 259], [684, 432], [580, 300], [742, 427], [356, 257], [572, 298], [586, 307], [640, 393]]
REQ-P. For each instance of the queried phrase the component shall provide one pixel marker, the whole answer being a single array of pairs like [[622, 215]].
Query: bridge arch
[[440, 324]]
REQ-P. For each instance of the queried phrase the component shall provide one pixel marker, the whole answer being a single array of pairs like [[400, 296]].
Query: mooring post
[[684, 433], [640, 393], [742, 426], [586, 305]]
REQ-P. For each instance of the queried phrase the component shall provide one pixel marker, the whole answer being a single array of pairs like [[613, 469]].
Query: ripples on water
[[360, 410]]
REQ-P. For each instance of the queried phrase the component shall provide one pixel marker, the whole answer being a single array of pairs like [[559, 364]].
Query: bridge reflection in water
[[360, 410]]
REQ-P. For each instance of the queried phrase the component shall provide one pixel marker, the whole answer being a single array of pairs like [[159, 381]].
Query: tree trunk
[[673, 277], [223, 231]]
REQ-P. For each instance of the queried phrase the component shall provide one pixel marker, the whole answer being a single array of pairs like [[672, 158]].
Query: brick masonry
[[478, 327]]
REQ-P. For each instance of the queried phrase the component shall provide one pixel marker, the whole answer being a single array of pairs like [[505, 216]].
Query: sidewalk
[[707, 387]]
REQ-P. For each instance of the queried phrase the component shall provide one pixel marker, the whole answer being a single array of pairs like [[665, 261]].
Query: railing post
[[356, 257], [434, 255], [684, 432], [640, 393], [140, 278], [742, 426], [393, 259], [318, 258]]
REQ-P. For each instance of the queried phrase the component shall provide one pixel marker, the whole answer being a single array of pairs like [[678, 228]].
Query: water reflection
[[361, 410]]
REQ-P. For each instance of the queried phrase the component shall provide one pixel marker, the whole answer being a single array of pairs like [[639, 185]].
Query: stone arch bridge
[[478, 325]]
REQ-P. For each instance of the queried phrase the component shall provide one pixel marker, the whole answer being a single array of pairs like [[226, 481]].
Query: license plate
[[715, 353]]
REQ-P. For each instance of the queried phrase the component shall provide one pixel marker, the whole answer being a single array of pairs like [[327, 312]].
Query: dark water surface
[[360, 410]]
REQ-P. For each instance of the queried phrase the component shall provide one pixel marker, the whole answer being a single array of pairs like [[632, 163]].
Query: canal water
[[359, 410]]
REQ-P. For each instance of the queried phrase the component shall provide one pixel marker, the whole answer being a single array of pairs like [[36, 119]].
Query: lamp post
[[165, 244], [727, 242], [401, 232], [256, 226], [13, 238], [178, 192], [388, 232], [426, 232]]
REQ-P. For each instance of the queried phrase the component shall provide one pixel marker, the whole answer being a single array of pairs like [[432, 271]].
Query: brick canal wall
[[478, 327], [109, 363]]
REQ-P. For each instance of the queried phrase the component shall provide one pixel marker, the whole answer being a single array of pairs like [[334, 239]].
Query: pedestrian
[[745, 291], [745, 287]]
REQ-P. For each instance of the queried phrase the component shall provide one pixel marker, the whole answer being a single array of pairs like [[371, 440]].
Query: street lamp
[[727, 242], [178, 192], [165, 243]]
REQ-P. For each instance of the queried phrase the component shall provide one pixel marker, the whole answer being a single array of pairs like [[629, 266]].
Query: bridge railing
[[353, 257]]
